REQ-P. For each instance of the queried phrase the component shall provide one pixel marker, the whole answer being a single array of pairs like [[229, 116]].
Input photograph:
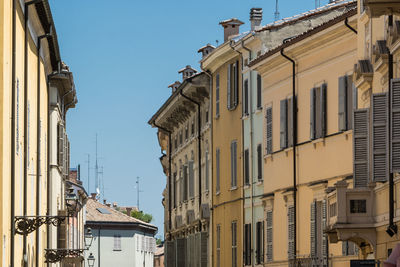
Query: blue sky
[[123, 55]]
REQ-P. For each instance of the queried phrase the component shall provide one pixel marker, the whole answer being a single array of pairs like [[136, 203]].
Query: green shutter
[[312, 113], [268, 115], [283, 126], [360, 147]]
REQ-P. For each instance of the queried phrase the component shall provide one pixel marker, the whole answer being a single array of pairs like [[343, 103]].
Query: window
[[268, 124], [358, 206], [259, 162], [259, 242], [174, 184], [247, 244], [347, 102], [318, 112], [246, 168], [117, 243], [233, 164], [349, 248], [180, 184], [246, 98], [290, 215], [207, 114], [269, 236], [218, 245], [234, 243], [186, 132], [259, 88], [217, 96], [207, 174], [185, 182], [217, 169], [176, 143], [232, 86], [286, 130], [191, 179], [332, 210], [180, 138], [318, 239], [60, 144], [192, 128]]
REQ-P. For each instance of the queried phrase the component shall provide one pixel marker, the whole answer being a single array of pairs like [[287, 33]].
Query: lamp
[[91, 260], [71, 201], [391, 230], [88, 238]]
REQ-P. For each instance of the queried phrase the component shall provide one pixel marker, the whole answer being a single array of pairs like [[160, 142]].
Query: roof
[[188, 67], [232, 21], [159, 251], [97, 213], [204, 47]]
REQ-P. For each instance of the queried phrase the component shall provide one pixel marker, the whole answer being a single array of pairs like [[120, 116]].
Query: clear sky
[[124, 54]]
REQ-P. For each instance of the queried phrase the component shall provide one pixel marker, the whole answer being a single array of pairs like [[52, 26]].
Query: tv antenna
[[88, 172], [97, 171], [138, 192], [276, 11]]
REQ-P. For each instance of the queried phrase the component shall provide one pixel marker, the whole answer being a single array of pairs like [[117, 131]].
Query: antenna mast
[[96, 172], [88, 172], [276, 11], [138, 192]]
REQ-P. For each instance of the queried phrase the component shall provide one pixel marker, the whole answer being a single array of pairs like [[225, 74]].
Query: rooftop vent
[[255, 18], [174, 86], [231, 27], [187, 72]]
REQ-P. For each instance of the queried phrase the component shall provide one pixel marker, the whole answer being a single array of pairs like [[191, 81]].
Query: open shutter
[[228, 88], [259, 162], [325, 252], [181, 252], [395, 125], [283, 126], [342, 103], [269, 236], [234, 164], [258, 91], [312, 113], [60, 143], [204, 248], [269, 130], [191, 179], [232, 167], [217, 162], [313, 222], [185, 182], [350, 101], [246, 98], [207, 176], [380, 159], [290, 215], [246, 167], [360, 147], [290, 122], [236, 84], [323, 111]]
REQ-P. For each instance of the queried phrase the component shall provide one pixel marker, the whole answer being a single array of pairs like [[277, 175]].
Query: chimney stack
[[205, 50], [174, 86], [93, 196], [104, 201], [128, 211], [187, 72], [255, 18], [115, 204], [231, 27]]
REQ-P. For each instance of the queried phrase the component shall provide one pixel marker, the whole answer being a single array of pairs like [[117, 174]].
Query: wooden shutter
[[291, 251], [350, 102], [312, 113], [218, 245], [228, 88], [185, 182], [60, 143], [360, 147], [217, 96], [217, 169], [380, 160], [233, 164], [169, 254], [324, 236], [268, 115], [207, 176], [283, 126], [259, 162], [204, 249], [234, 243], [181, 252], [246, 98], [259, 242], [323, 110], [236, 84], [191, 179], [247, 244], [313, 229], [290, 122], [269, 236], [62, 231], [259, 91], [246, 167], [173, 191], [181, 185], [342, 103], [395, 125]]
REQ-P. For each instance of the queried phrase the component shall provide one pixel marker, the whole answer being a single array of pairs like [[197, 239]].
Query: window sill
[[260, 182], [117, 249], [218, 193], [233, 188], [287, 150], [319, 140], [268, 156], [247, 186]]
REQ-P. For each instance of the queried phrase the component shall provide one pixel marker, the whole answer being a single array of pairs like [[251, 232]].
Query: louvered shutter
[[283, 126], [269, 236], [236, 86], [246, 98], [60, 134], [290, 215], [169, 254], [342, 103], [218, 245], [233, 164], [248, 244], [380, 158], [350, 102], [204, 248], [259, 162], [217, 96], [246, 167], [269, 130], [207, 176], [185, 182], [228, 88], [395, 125], [360, 147], [290, 122], [181, 252], [313, 229], [191, 179], [259, 88], [232, 167], [324, 236], [323, 110], [62, 231], [217, 162], [312, 113]]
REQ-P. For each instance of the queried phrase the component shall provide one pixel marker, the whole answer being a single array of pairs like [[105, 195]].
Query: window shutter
[[236, 86], [344, 248], [291, 251], [232, 167], [313, 229], [228, 88], [269, 130], [259, 162], [246, 167], [323, 110], [169, 254], [233, 164], [259, 91], [290, 122], [379, 138], [312, 113], [218, 245], [180, 184], [350, 102], [283, 121], [248, 244], [207, 171], [191, 179], [324, 236], [269, 236], [185, 182], [217, 96], [343, 103], [217, 163], [360, 147], [181, 252], [246, 98], [204, 249], [395, 125], [234, 250], [60, 134]]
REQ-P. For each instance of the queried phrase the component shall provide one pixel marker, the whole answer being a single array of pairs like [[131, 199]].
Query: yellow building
[[34, 146], [225, 66]]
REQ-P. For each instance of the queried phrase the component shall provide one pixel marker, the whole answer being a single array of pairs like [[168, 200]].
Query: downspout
[[48, 212], [294, 115], [169, 172], [199, 144], [346, 22], [13, 141]]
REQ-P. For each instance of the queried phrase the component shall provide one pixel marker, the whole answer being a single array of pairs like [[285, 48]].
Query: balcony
[[377, 8], [350, 216]]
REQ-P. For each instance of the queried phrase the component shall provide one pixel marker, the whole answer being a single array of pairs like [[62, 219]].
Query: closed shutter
[[247, 229], [62, 231], [259, 162], [181, 185], [350, 102], [291, 252], [234, 243], [204, 249], [174, 190], [218, 245], [344, 248], [217, 163], [207, 171], [380, 154], [323, 110], [395, 125], [360, 149], [60, 143], [170, 254], [191, 179], [217, 96], [236, 85], [283, 126], [269, 236], [342, 103], [246, 167], [246, 98], [290, 122], [259, 91], [312, 113], [259, 242], [325, 252], [268, 115], [228, 88], [181, 252], [185, 182], [313, 229], [233, 164]]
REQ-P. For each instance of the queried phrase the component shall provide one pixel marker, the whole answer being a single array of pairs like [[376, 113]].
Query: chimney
[[108, 205], [231, 27], [255, 18], [93, 196], [174, 86], [187, 72], [205, 50], [104, 201], [128, 211], [115, 204]]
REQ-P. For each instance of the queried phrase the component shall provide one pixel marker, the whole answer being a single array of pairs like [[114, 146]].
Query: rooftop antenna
[[88, 172], [276, 11], [97, 172], [138, 192]]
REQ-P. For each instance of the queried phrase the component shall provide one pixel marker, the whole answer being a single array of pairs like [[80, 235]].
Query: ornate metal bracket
[[25, 225], [56, 255]]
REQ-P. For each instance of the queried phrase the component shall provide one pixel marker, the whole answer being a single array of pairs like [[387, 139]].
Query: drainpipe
[[13, 141], [294, 115], [38, 135], [199, 143], [169, 172], [346, 22]]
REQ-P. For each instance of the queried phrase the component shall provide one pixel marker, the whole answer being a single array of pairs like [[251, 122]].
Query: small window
[[176, 143], [358, 206], [246, 98], [234, 164], [186, 132], [180, 138], [117, 243], [206, 115], [259, 162]]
